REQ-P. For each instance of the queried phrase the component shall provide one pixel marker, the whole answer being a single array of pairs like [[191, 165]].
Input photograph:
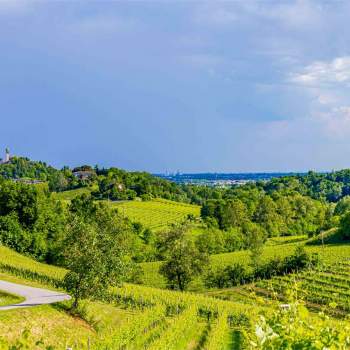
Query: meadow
[[13, 263], [71, 194]]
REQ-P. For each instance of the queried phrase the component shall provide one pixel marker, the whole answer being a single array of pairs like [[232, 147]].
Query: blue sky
[[189, 85]]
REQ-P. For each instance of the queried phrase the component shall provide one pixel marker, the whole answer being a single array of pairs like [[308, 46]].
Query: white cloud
[[336, 71], [335, 122], [326, 85]]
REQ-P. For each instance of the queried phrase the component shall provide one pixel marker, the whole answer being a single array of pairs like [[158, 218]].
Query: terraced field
[[133, 317], [329, 253], [327, 285], [15, 264], [158, 213], [140, 317]]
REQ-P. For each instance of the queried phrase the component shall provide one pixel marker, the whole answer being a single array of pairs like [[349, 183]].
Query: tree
[[342, 206], [255, 237], [344, 227], [183, 260], [266, 215], [235, 214], [95, 253]]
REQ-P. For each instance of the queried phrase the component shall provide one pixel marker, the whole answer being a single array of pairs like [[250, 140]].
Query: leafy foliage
[[95, 249], [183, 260], [294, 327]]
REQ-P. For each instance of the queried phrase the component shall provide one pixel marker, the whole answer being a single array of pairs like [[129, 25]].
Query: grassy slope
[[158, 213], [51, 322], [330, 253], [17, 264], [71, 194], [6, 298], [56, 327]]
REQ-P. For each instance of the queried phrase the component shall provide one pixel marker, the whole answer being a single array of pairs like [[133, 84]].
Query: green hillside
[[158, 213], [136, 316], [71, 194], [329, 253], [139, 317], [155, 214]]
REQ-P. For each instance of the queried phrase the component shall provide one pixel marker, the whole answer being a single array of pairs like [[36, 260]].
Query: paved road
[[33, 296]]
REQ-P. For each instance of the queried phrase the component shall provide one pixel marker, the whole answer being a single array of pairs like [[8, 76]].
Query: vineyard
[[13, 263], [131, 317], [174, 320], [326, 285], [329, 253], [158, 213], [141, 317]]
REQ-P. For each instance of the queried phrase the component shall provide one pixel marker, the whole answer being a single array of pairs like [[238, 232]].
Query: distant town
[[221, 179]]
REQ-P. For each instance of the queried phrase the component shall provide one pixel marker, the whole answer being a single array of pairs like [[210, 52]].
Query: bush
[[344, 228]]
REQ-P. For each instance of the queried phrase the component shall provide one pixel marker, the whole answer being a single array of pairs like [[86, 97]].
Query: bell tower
[[7, 155]]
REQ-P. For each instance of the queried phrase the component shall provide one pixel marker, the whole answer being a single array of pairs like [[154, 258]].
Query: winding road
[[33, 296]]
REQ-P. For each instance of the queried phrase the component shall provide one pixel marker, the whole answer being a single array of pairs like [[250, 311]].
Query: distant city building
[[7, 157]]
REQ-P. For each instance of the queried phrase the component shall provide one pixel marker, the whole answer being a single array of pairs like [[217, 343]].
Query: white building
[[7, 157]]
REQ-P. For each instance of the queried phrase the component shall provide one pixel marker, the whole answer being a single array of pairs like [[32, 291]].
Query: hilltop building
[[83, 174], [7, 157]]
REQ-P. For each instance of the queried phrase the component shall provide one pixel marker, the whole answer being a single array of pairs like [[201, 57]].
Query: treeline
[[112, 183], [32, 222], [298, 204], [324, 186], [117, 184], [20, 168], [276, 214], [238, 274]]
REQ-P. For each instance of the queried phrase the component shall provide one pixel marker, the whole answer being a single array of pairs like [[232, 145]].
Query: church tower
[[7, 155]]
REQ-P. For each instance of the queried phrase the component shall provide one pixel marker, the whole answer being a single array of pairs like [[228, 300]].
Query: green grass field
[[6, 298], [71, 194]]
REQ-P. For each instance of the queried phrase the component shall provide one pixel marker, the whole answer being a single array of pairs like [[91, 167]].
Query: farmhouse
[[84, 174]]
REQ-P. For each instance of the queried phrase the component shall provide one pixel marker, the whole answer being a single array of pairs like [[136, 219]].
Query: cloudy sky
[[177, 85]]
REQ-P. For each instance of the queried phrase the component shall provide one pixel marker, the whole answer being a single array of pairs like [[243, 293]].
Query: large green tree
[[95, 251], [183, 260]]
